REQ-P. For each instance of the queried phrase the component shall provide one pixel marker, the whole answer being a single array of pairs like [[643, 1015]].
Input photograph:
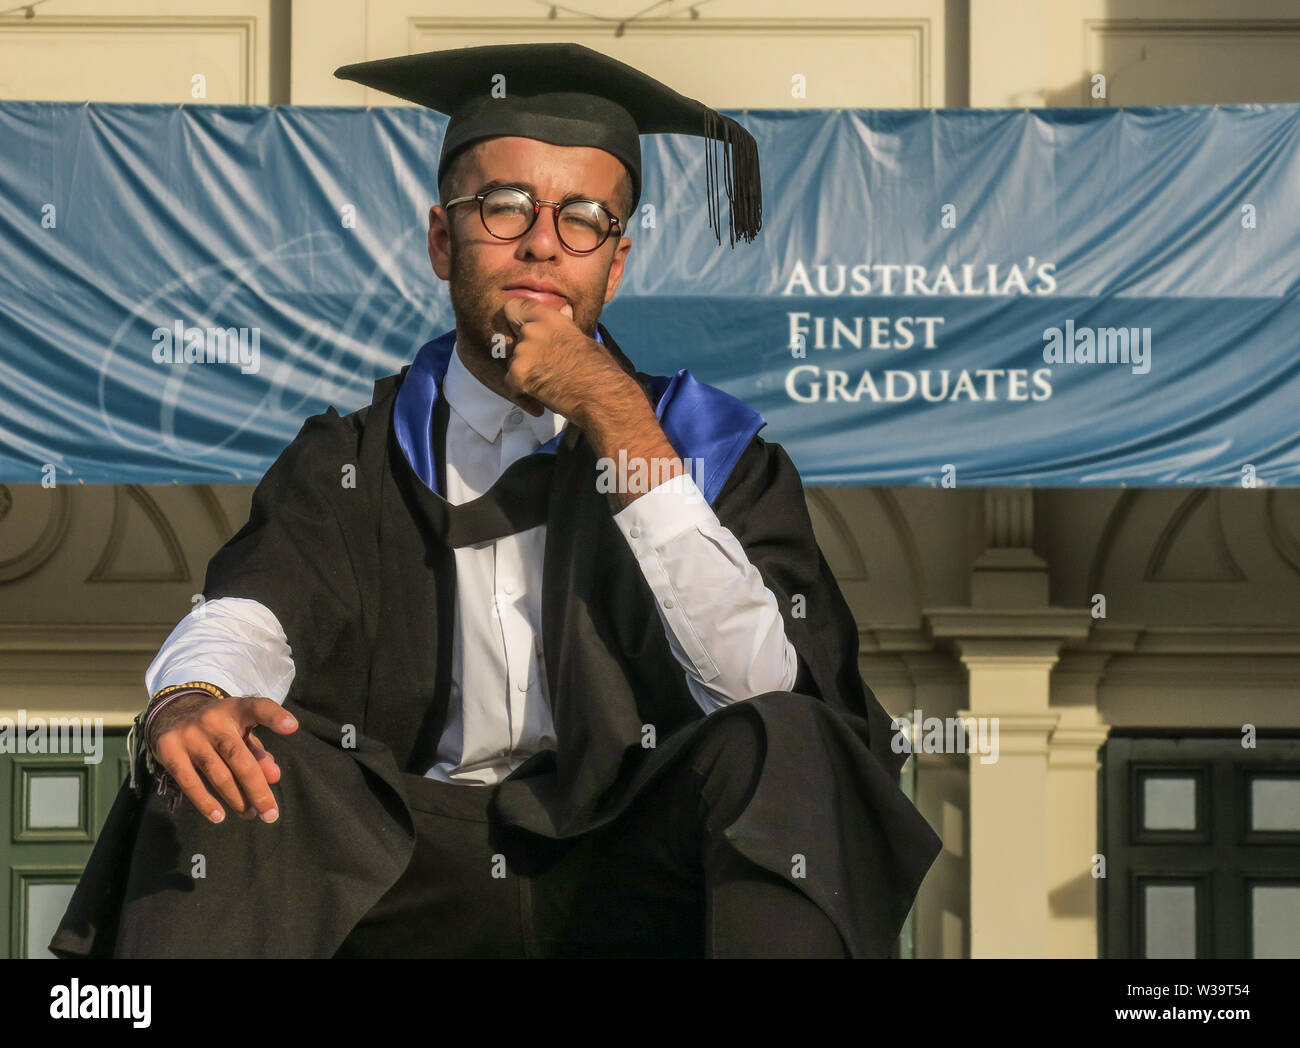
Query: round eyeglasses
[[508, 213]]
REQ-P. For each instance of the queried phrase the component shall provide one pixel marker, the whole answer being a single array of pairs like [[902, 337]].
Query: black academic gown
[[362, 578]]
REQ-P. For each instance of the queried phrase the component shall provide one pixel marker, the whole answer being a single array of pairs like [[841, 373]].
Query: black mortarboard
[[570, 95]]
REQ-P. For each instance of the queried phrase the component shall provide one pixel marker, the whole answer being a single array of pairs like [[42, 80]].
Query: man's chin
[[500, 330]]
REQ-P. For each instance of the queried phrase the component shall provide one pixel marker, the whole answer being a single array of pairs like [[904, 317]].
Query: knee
[[726, 762], [733, 745]]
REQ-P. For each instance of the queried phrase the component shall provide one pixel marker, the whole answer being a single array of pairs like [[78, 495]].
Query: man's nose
[[542, 241]]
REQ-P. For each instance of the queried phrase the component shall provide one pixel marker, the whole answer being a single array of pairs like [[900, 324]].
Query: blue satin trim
[[413, 406], [705, 424], [702, 422]]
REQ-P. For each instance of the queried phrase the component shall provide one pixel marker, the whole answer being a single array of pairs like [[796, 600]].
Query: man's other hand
[[204, 734]]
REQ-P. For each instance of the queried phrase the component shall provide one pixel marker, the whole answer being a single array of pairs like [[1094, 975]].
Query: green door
[[1202, 845], [57, 804]]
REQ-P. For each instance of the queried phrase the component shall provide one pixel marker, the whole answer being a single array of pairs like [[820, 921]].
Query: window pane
[[1274, 803], [46, 904], [54, 801], [1170, 920], [1168, 803], [1275, 920]]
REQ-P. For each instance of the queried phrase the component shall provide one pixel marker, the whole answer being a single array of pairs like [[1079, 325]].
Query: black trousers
[[659, 881]]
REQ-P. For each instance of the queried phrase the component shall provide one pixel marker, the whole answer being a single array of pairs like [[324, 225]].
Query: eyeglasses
[[508, 213]]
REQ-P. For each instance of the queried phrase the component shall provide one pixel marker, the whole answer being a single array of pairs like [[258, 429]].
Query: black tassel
[[744, 185]]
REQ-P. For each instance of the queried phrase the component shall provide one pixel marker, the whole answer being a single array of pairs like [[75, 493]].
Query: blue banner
[[975, 297]]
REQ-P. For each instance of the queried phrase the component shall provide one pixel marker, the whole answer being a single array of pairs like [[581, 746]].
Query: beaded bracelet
[[166, 695], [138, 737]]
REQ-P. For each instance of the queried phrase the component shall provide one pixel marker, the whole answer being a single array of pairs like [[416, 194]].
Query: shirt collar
[[486, 411]]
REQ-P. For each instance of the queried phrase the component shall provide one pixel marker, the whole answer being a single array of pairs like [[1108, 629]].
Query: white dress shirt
[[722, 623]]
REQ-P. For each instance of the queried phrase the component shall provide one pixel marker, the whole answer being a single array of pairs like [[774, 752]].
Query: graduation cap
[[570, 95]]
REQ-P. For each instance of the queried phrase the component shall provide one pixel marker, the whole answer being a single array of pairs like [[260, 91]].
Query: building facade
[[1124, 664]]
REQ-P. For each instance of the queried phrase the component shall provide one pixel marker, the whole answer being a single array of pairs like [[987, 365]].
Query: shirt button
[[516, 417], [521, 684], [509, 587], [634, 531], [669, 603]]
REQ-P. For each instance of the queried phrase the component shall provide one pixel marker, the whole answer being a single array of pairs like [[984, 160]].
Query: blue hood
[[701, 422]]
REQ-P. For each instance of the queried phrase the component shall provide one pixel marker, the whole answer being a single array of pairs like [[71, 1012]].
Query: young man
[[570, 674]]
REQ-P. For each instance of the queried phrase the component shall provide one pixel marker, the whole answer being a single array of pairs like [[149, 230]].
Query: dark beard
[[480, 317]]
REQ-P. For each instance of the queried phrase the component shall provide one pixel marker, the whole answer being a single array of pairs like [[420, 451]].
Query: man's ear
[[616, 267], [440, 241]]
